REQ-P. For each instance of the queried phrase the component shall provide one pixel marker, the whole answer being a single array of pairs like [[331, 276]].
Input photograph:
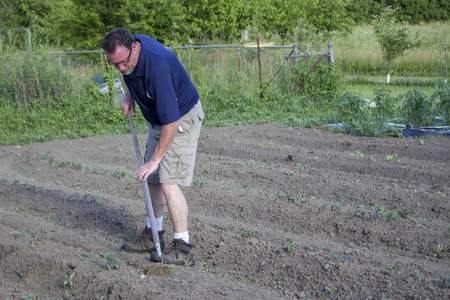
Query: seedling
[[331, 290], [247, 234], [200, 183], [111, 262], [292, 199], [336, 205], [18, 234], [290, 246], [357, 154], [391, 157], [439, 250], [445, 281], [68, 281], [379, 211], [187, 262], [393, 214]]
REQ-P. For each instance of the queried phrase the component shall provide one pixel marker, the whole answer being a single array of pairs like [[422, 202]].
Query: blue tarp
[[408, 131]]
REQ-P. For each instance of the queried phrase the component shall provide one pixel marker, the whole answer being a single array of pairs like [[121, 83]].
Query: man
[[158, 82]]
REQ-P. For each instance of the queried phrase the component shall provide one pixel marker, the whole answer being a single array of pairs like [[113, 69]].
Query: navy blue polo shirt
[[160, 84]]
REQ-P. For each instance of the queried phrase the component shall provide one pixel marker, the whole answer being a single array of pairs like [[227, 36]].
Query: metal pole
[[239, 59], [29, 38], [259, 66], [330, 54], [295, 53], [148, 201]]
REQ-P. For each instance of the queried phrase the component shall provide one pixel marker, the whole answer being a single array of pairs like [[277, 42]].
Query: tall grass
[[359, 52]]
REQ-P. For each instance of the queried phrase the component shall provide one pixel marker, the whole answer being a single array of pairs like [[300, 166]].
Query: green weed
[[187, 262], [68, 280], [445, 281], [336, 205], [200, 183], [290, 246], [247, 234], [18, 234], [357, 154], [111, 262], [440, 250], [391, 157]]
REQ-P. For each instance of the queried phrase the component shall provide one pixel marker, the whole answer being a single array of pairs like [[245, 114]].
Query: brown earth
[[275, 213]]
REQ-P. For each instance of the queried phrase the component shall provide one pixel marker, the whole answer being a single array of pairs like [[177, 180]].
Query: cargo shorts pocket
[[179, 163]]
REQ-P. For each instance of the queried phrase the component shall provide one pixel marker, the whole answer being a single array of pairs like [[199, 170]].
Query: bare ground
[[275, 213]]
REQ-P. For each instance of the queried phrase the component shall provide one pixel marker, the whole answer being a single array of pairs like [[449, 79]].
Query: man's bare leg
[[158, 199], [178, 207]]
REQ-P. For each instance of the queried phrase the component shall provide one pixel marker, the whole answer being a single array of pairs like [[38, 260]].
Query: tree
[[394, 40]]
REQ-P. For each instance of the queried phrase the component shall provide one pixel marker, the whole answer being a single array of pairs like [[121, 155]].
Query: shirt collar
[[140, 67]]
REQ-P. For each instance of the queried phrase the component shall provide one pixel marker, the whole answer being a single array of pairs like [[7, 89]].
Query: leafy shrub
[[416, 109], [442, 97], [321, 81], [349, 109]]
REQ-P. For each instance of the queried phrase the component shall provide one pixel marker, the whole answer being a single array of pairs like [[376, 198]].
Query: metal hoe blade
[[148, 200]]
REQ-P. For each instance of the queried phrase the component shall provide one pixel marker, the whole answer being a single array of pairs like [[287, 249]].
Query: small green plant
[[378, 211], [290, 246], [331, 290], [336, 205], [68, 281], [18, 234], [292, 199], [393, 214], [391, 157], [200, 183], [187, 262], [357, 154], [247, 234], [111, 262], [445, 281], [440, 250]]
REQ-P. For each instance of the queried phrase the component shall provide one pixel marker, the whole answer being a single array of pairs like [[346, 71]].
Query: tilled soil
[[275, 213]]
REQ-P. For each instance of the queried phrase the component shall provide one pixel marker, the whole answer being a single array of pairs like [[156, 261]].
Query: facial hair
[[128, 70]]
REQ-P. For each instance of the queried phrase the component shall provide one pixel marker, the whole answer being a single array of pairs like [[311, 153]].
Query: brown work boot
[[178, 252], [144, 244]]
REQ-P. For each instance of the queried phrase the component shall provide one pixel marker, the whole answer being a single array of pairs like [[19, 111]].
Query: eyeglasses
[[122, 62]]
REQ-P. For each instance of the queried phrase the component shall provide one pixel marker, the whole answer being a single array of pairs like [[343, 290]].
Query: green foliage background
[[81, 24], [44, 97]]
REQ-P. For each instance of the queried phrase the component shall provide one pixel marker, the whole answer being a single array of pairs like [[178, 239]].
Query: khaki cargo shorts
[[177, 166]]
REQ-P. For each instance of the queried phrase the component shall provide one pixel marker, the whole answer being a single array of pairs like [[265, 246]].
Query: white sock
[[159, 222], [181, 236]]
